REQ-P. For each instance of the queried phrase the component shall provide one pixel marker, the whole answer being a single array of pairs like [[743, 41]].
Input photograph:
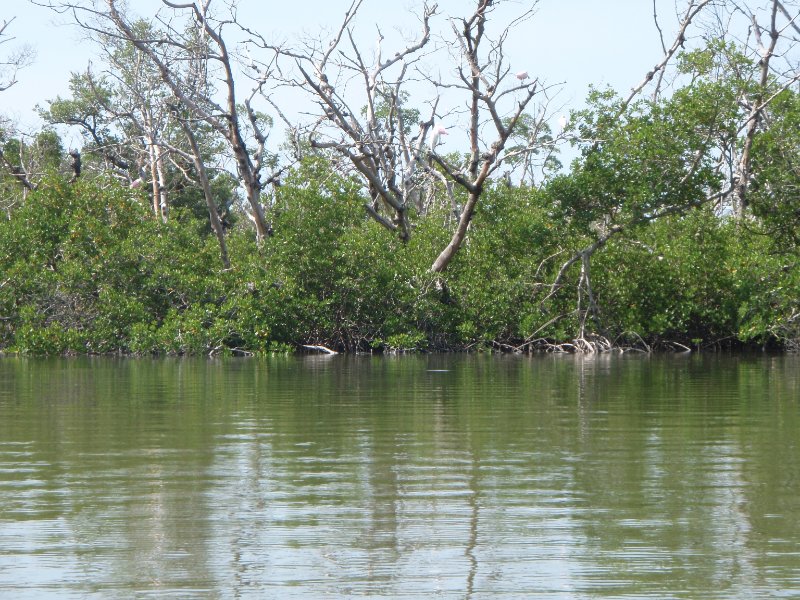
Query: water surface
[[434, 476]]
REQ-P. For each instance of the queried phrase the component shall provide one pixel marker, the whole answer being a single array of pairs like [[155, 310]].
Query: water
[[436, 476]]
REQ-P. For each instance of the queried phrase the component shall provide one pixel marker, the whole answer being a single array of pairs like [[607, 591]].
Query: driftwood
[[322, 349]]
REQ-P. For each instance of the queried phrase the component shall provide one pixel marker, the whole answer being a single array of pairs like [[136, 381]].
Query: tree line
[[179, 227]]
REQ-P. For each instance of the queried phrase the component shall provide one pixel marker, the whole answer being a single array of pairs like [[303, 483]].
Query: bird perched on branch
[[438, 132], [76, 165]]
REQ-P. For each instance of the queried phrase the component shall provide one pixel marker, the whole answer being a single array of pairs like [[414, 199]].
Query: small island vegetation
[[174, 230]]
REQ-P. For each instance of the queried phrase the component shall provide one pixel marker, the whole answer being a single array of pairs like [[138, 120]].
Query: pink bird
[[522, 75], [438, 132], [136, 184]]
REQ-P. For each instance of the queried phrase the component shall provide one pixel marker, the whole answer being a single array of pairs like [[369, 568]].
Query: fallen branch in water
[[320, 348], [684, 348]]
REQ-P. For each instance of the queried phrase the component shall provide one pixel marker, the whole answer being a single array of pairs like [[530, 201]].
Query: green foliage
[[530, 148], [99, 274], [329, 268], [680, 279], [86, 263], [652, 158], [775, 193], [391, 111], [86, 268], [491, 281], [717, 60]]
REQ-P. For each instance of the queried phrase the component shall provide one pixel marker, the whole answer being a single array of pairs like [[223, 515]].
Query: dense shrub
[[683, 278], [84, 268]]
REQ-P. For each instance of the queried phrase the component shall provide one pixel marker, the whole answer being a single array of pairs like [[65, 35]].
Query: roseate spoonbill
[[438, 132]]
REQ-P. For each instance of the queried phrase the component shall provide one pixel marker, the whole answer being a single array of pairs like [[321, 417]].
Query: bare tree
[[13, 62], [9, 67], [376, 143], [399, 161], [188, 52], [141, 106], [482, 75], [123, 113], [194, 92]]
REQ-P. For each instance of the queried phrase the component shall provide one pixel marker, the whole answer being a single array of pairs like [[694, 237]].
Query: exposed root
[[593, 344], [639, 346]]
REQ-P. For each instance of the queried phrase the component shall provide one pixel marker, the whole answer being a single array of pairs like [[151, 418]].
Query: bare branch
[[11, 64], [18, 172], [743, 172], [202, 106], [615, 230], [793, 20], [694, 9]]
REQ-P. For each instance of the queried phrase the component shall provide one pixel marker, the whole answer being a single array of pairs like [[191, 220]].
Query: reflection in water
[[456, 476]]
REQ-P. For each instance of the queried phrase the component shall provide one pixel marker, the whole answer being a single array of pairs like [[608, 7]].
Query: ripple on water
[[551, 479]]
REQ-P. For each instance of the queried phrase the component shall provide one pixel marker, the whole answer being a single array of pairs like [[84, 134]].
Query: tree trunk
[[460, 233], [163, 203], [158, 181], [151, 151], [254, 198], [213, 215], [475, 191]]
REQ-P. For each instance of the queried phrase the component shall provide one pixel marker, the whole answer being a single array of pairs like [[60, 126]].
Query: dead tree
[[378, 144], [14, 61], [187, 55], [482, 75], [399, 161], [142, 106], [195, 95]]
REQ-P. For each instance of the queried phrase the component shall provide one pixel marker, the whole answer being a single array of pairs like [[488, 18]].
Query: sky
[[569, 42]]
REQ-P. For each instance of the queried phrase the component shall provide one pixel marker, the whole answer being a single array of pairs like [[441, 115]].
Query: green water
[[435, 476]]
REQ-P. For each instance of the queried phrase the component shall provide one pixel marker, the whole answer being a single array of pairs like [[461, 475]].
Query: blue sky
[[577, 42]]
